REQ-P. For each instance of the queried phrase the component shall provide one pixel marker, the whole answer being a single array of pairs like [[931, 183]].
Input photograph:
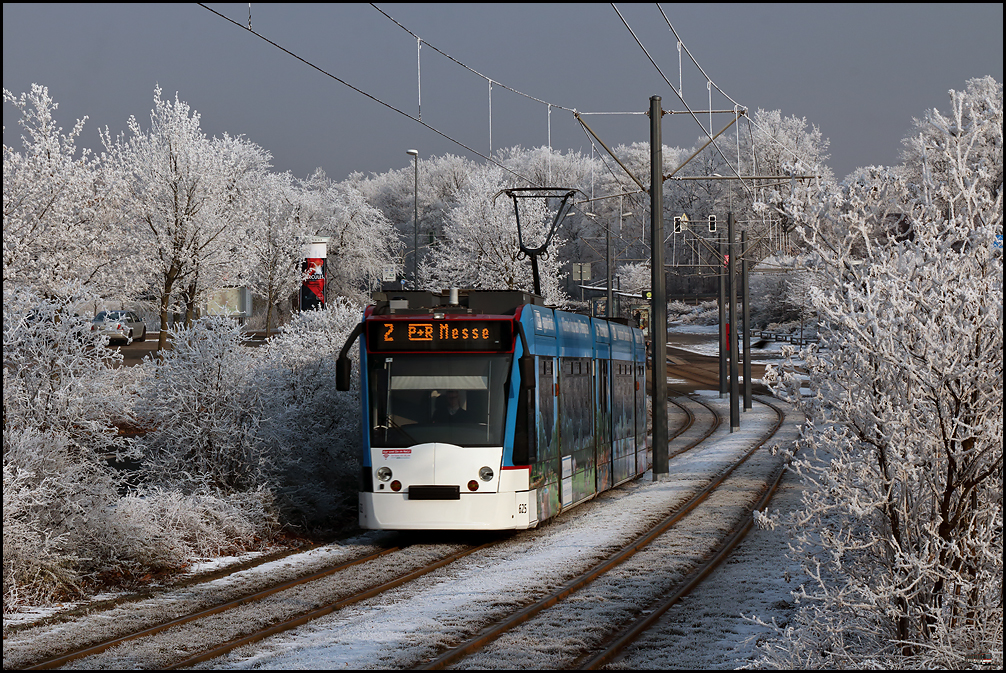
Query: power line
[[711, 82], [708, 134], [491, 82], [472, 70], [364, 93]]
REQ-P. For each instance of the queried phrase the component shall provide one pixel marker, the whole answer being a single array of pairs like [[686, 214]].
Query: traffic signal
[[712, 223], [677, 225]]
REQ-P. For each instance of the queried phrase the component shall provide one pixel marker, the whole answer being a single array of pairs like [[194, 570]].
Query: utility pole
[[415, 220], [735, 417], [723, 321], [607, 265], [746, 310], [658, 312]]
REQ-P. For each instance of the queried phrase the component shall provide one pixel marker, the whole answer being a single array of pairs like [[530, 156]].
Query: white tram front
[[465, 412]]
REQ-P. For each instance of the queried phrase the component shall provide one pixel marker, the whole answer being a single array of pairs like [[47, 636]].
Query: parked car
[[120, 326]]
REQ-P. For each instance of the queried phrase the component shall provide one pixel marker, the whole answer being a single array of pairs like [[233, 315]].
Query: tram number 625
[[522, 508]]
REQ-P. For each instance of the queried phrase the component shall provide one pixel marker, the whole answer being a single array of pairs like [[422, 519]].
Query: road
[[133, 354]]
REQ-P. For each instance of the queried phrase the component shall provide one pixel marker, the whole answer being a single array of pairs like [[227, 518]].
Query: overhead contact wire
[[364, 93]]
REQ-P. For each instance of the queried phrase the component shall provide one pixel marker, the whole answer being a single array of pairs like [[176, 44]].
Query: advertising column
[[314, 267]]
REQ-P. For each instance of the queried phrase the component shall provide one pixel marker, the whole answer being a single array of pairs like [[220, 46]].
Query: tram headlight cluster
[[384, 473], [486, 473]]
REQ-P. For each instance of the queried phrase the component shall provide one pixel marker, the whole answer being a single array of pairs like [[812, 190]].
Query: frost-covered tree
[[271, 248], [187, 192], [784, 146], [362, 241], [218, 239], [971, 132], [58, 206], [202, 412], [901, 530], [395, 194], [634, 278]]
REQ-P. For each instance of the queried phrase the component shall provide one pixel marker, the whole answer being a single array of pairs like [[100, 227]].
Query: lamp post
[[415, 221]]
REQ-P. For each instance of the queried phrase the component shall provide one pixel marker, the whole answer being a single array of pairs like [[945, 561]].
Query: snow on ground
[[44, 640]]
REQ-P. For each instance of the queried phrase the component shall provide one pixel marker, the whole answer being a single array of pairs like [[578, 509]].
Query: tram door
[[623, 421], [576, 429], [603, 428], [546, 471], [644, 453]]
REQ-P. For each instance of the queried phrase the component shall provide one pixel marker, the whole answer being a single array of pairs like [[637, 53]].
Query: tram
[[487, 410]]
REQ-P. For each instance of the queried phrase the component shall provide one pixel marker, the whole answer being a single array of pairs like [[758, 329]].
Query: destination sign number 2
[[480, 335]]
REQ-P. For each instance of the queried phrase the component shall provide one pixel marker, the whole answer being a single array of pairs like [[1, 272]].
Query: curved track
[[609, 645]]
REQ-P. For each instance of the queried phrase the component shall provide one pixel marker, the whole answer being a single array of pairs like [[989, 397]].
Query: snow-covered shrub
[[58, 397], [163, 528], [53, 495], [310, 430], [201, 405], [901, 529], [705, 313]]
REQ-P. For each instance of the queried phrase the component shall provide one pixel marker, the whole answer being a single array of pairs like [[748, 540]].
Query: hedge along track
[[491, 633]]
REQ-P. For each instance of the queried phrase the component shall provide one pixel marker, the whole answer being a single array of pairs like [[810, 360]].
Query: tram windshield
[[457, 399]]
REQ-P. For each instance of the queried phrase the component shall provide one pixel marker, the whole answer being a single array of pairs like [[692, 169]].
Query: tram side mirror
[[527, 371], [343, 373]]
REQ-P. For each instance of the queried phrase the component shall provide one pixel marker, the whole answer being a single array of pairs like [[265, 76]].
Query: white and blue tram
[[492, 412]]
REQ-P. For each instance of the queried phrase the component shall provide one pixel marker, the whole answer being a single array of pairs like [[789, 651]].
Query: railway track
[[481, 650], [263, 616], [365, 576]]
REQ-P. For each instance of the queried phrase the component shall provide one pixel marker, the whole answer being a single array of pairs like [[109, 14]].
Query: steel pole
[[658, 312], [723, 319], [746, 311], [607, 261], [735, 416], [415, 225]]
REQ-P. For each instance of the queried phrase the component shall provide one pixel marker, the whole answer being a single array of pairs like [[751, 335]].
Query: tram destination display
[[439, 335]]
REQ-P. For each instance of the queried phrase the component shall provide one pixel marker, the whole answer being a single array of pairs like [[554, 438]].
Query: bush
[[312, 431], [204, 412]]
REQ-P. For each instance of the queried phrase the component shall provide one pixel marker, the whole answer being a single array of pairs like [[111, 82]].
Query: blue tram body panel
[[521, 453]]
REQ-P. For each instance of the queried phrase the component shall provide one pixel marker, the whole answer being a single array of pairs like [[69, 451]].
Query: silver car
[[120, 326]]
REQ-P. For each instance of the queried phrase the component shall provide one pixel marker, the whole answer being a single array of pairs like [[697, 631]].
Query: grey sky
[[859, 72]]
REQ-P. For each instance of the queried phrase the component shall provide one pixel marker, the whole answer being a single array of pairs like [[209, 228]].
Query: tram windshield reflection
[[457, 399]]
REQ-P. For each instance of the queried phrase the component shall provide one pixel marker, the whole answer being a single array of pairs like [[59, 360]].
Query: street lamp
[[415, 220]]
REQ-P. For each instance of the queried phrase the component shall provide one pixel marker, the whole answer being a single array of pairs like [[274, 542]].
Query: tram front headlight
[[486, 473], [384, 473]]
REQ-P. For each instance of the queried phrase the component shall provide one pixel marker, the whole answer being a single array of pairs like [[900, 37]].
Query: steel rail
[[222, 607], [627, 635], [306, 617], [494, 631]]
